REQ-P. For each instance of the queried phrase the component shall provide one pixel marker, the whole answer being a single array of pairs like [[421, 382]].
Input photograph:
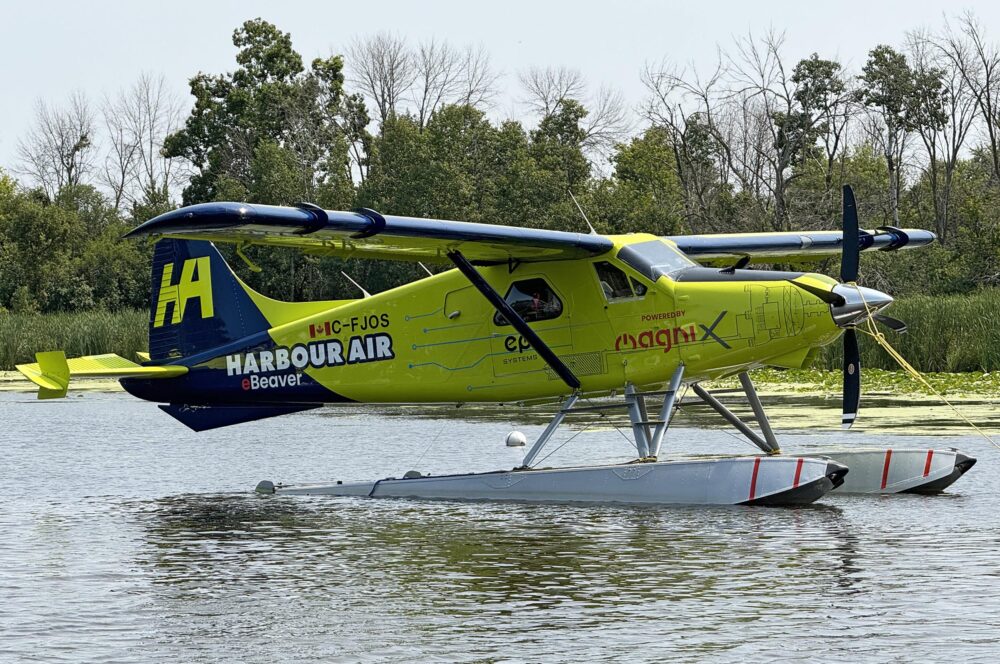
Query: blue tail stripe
[[233, 316]]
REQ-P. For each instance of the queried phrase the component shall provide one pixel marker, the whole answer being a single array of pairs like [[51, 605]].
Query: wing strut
[[500, 304]]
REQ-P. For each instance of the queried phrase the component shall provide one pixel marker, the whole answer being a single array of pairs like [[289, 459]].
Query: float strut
[[639, 424], [666, 412], [549, 430], [758, 412], [731, 418]]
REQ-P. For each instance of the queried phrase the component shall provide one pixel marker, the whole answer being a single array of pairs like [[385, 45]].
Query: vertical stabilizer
[[197, 302]]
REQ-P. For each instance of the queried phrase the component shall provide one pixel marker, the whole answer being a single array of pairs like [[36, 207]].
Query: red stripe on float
[[798, 472], [927, 464], [753, 479], [885, 468]]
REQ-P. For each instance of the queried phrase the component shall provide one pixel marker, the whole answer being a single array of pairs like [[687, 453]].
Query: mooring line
[[879, 337]]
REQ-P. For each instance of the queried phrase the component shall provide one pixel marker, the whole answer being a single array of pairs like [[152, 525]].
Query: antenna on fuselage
[[582, 213], [360, 287]]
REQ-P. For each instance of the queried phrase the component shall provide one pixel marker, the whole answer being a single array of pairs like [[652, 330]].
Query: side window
[[615, 283], [532, 299]]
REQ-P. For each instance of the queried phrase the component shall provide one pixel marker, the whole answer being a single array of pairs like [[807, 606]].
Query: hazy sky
[[48, 49]]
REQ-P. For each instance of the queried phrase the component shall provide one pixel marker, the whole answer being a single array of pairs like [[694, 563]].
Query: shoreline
[[798, 400], [802, 382]]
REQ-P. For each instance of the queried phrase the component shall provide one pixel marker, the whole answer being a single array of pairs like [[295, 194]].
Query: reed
[[79, 333], [951, 333]]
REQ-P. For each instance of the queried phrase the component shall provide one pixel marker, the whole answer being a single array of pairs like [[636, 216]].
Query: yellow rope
[[879, 337]]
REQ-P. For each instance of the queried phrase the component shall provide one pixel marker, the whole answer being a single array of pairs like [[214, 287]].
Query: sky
[[49, 49]]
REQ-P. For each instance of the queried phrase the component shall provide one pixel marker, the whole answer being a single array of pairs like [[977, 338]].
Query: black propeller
[[852, 378], [852, 304], [850, 257], [851, 248], [894, 324], [849, 260]]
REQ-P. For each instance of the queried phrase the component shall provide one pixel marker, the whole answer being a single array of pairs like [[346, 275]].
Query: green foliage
[[644, 194], [269, 114]]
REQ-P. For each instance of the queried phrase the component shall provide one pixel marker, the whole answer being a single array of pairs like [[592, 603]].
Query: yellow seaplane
[[590, 321]]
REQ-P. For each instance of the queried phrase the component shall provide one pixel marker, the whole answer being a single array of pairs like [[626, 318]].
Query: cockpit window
[[654, 259], [615, 283], [533, 300]]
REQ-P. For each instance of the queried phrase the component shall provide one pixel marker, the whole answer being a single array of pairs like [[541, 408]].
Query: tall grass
[[81, 333], [951, 333]]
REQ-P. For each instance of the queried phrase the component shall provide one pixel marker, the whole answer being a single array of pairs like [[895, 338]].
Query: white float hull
[[899, 470], [706, 481]]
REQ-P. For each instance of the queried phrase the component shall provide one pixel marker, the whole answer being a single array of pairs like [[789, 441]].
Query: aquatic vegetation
[[876, 381], [947, 333], [79, 333]]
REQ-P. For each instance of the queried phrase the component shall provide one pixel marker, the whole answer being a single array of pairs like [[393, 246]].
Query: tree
[[792, 111], [136, 121], [58, 150], [978, 63], [940, 86], [644, 193], [383, 69], [899, 101], [548, 89], [269, 100], [273, 131], [739, 133]]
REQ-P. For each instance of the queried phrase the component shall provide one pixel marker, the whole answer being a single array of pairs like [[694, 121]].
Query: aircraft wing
[[368, 234], [793, 247]]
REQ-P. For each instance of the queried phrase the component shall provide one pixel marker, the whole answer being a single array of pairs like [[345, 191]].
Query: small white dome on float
[[516, 439]]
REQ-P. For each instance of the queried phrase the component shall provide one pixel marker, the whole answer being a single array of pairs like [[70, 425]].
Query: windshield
[[654, 258]]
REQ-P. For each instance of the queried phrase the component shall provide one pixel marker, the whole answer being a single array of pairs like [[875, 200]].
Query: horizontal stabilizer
[[52, 372], [203, 418]]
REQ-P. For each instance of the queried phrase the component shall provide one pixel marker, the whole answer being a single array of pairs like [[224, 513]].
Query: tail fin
[[197, 302]]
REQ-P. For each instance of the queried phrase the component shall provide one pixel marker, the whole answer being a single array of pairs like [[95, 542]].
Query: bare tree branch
[[547, 88], [58, 150], [438, 78], [383, 69], [479, 80]]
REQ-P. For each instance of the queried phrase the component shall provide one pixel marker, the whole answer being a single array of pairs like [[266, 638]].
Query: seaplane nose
[[858, 303]]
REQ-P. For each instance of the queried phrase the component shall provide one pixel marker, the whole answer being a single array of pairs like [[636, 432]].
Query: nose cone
[[858, 301]]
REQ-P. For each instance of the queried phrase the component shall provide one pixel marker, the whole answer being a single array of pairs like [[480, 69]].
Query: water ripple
[[122, 548]]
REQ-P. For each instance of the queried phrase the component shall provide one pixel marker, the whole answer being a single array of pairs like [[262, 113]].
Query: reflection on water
[[465, 579], [120, 547]]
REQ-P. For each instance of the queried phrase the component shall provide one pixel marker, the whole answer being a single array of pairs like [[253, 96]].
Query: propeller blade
[[738, 265], [827, 296], [894, 324], [851, 251], [852, 378]]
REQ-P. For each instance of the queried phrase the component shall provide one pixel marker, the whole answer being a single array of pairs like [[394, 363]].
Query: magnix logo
[[195, 282]]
